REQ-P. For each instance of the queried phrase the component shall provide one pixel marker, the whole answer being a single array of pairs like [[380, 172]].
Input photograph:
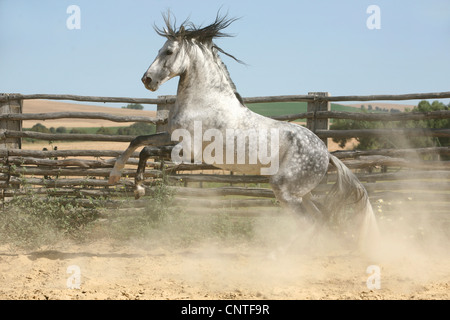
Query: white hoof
[[139, 191]]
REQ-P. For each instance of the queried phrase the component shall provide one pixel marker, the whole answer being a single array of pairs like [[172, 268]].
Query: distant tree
[[76, 130], [38, 127], [425, 106], [104, 130], [135, 106], [61, 130], [365, 143], [137, 129], [401, 141]]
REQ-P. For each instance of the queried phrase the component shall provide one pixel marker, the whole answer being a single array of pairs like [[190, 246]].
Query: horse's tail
[[349, 190]]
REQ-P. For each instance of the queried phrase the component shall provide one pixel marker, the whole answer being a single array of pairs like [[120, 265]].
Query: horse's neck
[[205, 83]]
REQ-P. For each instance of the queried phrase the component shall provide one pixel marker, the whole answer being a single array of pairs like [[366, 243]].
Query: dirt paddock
[[324, 267], [413, 263]]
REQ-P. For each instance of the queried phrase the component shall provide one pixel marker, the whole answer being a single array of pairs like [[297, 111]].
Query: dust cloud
[[291, 259], [208, 254]]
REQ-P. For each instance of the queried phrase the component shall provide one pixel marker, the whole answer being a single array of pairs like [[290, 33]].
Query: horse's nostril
[[146, 80]]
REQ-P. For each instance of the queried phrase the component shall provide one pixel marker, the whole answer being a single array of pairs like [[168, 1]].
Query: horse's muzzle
[[146, 80]]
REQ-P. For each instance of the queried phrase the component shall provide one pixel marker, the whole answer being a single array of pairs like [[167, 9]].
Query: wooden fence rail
[[5, 134], [266, 99], [320, 133], [81, 115], [445, 114]]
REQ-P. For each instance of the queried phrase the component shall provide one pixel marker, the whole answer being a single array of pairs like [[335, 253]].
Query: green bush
[[32, 221], [137, 129], [387, 142]]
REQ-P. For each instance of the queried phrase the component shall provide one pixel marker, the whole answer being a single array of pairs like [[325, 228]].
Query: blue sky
[[290, 47]]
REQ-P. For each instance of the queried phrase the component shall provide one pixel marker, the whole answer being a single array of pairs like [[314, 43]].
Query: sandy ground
[[322, 267]]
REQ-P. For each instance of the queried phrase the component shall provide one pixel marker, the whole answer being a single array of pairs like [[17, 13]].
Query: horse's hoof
[[139, 192]]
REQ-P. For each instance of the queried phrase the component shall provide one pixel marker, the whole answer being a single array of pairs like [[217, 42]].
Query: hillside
[[45, 106], [284, 108], [389, 106]]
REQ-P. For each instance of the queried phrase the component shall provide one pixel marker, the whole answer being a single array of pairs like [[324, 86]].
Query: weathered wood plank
[[62, 153], [7, 97], [82, 115], [265, 99], [411, 153], [10, 108], [383, 132], [315, 106], [62, 136], [359, 116]]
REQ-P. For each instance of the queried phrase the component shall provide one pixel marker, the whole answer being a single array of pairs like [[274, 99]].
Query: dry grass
[[46, 106]]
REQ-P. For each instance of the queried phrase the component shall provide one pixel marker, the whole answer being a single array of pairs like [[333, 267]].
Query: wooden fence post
[[318, 124], [163, 110], [318, 105], [10, 106]]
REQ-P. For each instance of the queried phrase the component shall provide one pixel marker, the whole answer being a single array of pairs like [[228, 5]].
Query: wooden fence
[[82, 174]]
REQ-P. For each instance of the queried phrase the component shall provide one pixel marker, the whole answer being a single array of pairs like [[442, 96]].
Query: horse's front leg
[[139, 190], [157, 139], [148, 152]]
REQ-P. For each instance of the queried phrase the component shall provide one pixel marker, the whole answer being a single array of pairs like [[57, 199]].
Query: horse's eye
[[169, 52]]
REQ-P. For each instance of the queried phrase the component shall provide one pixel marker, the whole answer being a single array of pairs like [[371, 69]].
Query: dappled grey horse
[[209, 109]]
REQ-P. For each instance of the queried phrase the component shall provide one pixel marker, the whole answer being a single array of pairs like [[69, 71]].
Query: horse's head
[[173, 58], [170, 62]]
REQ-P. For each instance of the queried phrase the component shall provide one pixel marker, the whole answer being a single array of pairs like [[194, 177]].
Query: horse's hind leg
[[313, 210], [307, 215], [300, 205]]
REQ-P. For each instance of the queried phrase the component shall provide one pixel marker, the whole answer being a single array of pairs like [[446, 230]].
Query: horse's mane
[[187, 32]]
